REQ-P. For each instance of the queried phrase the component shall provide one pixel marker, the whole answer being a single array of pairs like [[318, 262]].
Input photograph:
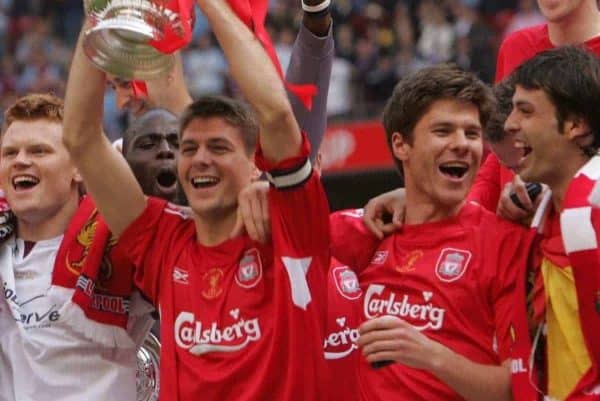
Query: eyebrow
[[219, 141], [518, 103], [447, 124], [156, 135]]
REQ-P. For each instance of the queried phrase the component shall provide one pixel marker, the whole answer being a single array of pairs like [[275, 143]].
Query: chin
[[453, 198]]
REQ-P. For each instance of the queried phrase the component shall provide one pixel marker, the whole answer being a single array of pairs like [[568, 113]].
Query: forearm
[[84, 99], [473, 381], [257, 79], [105, 172], [310, 63]]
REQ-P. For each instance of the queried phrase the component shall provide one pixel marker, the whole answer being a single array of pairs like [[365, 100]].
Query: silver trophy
[[118, 41], [148, 367]]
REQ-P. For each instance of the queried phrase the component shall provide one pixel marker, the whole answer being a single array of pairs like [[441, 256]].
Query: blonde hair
[[35, 106]]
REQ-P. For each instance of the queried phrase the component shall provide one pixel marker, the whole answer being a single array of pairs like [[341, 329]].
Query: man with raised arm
[[239, 320]]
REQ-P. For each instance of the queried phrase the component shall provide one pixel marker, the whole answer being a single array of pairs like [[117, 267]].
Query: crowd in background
[[377, 42]]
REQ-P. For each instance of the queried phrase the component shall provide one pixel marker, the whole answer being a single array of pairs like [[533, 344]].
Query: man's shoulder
[[529, 37], [490, 223]]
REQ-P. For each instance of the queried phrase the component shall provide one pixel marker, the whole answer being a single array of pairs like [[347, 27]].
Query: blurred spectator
[[436, 43], [527, 15], [377, 42], [475, 41], [340, 98], [205, 67], [283, 45]]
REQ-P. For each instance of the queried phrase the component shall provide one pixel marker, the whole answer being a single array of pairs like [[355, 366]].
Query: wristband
[[316, 9]]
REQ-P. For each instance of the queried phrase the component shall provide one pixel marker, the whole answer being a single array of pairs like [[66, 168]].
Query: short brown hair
[[570, 77], [503, 92], [35, 106], [233, 111], [414, 95]]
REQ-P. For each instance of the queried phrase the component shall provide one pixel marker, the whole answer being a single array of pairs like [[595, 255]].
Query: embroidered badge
[[346, 282], [212, 283], [452, 264], [249, 270], [408, 261]]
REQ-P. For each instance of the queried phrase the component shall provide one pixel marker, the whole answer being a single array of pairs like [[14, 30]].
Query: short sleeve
[[298, 206], [147, 242], [512, 249], [351, 241], [501, 63]]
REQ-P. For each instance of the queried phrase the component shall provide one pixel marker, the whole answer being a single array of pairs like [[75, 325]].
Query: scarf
[[93, 280], [580, 226]]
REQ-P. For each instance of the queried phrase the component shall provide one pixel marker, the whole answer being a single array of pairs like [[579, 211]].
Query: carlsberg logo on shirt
[[414, 312], [191, 334]]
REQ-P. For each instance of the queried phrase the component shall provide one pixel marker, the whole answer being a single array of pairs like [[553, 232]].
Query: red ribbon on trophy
[[252, 13]]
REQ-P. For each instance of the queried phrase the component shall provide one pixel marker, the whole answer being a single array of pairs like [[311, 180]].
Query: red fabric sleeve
[[500, 63], [351, 241], [487, 187], [299, 213], [149, 240], [513, 244]]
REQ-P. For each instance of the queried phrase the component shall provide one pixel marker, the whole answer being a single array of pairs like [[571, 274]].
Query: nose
[[165, 151], [511, 125], [22, 159], [203, 156], [460, 142]]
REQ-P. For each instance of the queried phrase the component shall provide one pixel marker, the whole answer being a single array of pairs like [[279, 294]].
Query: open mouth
[[166, 179], [524, 147], [24, 182], [204, 181], [454, 170]]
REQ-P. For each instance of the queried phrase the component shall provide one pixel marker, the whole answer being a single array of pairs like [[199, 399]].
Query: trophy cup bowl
[[118, 41], [148, 367]]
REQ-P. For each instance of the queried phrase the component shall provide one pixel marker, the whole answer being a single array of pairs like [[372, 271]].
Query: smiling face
[[36, 173], [441, 161], [151, 149], [213, 166], [537, 134]]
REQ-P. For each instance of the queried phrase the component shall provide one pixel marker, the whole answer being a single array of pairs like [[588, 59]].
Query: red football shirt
[[343, 318], [454, 280], [240, 321], [516, 48]]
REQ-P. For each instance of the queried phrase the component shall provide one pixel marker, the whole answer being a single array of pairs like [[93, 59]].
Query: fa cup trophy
[[148, 367], [124, 36]]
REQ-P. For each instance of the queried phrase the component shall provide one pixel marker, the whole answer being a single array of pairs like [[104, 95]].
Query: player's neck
[[212, 230], [560, 183], [581, 25], [422, 209], [34, 228]]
